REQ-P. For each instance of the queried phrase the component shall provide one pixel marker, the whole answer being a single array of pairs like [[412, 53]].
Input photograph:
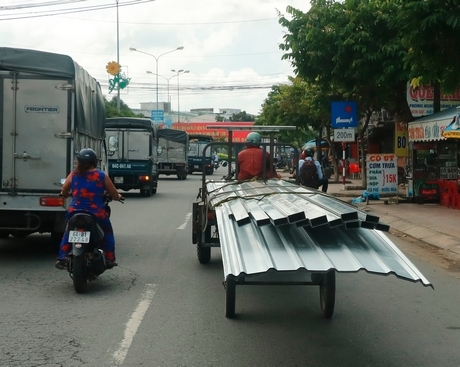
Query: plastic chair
[[443, 193], [354, 170], [454, 195]]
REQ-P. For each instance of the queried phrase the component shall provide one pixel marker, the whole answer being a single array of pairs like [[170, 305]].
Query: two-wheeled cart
[[275, 232]]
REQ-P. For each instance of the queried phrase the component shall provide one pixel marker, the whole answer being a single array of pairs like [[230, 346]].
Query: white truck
[[51, 108]]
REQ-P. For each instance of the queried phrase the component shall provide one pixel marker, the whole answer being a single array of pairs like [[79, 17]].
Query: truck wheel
[[79, 274], [56, 238], [203, 253]]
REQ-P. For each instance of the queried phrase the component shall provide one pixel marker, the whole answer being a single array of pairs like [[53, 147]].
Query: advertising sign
[[382, 173], [218, 134], [401, 140], [343, 115], [420, 100]]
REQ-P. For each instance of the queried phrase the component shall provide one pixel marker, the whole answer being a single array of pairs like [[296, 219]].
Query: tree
[[349, 49], [242, 116], [219, 118], [429, 31], [111, 109]]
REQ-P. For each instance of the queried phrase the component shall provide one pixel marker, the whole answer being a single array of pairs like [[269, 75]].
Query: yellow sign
[[401, 140]]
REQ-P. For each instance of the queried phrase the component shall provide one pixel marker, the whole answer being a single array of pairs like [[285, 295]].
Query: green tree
[[219, 118], [242, 116], [290, 105], [111, 109], [349, 50], [429, 30]]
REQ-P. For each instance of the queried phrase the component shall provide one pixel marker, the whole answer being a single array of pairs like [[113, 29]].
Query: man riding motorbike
[[87, 186]]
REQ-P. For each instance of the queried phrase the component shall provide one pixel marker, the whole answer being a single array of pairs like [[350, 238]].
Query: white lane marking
[[133, 324], [187, 217]]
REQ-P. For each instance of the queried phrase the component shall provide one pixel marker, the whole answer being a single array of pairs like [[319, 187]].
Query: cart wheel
[[203, 253], [327, 294], [230, 299]]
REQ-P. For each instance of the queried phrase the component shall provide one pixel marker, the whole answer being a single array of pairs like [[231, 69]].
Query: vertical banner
[[382, 173], [401, 140]]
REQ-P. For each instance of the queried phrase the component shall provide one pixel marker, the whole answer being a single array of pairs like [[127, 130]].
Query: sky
[[230, 48]]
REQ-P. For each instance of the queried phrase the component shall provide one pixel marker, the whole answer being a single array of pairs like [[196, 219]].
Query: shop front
[[432, 154]]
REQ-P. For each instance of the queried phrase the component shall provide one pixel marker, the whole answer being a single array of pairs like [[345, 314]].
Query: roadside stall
[[432, 155]]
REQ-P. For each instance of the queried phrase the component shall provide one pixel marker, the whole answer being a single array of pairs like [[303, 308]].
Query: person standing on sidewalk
[[307, 155]]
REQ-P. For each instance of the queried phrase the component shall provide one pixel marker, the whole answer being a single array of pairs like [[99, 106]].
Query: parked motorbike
[[86, 261]]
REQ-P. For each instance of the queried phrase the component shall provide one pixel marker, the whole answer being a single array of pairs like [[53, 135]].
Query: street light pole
[[118, 60], [178, 72], [167, 81], [156, 64]]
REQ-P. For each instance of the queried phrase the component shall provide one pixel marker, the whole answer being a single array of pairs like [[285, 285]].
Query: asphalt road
[[160, 307]]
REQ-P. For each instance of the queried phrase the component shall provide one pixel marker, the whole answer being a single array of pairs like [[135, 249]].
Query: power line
[[69, 11]]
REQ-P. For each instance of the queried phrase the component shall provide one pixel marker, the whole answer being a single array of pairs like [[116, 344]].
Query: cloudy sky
[[230, 47]]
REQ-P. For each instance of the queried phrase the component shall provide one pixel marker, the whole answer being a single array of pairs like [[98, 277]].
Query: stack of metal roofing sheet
[[285, 227]]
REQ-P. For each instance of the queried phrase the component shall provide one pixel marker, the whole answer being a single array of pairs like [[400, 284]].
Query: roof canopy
[[430, 128]]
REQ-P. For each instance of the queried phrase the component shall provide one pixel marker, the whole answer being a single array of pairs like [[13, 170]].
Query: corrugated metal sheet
[[277, 225]]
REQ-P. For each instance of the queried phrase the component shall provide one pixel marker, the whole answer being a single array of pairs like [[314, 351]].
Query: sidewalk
[[431, 223]]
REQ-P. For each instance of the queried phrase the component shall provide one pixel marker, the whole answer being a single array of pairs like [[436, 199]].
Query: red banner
[[218, 134]]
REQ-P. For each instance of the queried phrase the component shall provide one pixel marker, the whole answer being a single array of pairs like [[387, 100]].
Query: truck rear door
[[35, 119], [125, 144]]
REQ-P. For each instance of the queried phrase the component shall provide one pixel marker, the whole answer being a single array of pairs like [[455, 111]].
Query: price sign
[[382, 173]]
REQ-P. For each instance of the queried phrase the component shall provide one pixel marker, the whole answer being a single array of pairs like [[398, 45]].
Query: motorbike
[[86, 260], [216, 164]]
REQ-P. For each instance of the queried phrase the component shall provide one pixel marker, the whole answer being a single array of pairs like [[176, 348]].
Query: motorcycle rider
[[250, 160], [87, 184]]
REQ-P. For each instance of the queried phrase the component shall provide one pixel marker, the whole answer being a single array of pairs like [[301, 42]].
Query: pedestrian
[[87, 185], [312, 174], [250, 160]]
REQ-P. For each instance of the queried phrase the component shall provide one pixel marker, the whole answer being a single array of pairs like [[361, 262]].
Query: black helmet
[[87, 155], [309, 151]]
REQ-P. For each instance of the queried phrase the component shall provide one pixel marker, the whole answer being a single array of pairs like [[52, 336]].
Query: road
[[160, 307]]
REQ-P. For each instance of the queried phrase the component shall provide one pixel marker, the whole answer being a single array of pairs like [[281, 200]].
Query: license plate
[[167, 166], [118, 179], [197, 166], [79, 237]]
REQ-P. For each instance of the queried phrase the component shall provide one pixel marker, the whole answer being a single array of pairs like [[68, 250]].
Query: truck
[[173, 153], [132, 148], [195, 154], [51, 108]]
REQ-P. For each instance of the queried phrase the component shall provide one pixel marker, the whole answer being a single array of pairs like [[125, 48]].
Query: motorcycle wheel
[[79, 274]]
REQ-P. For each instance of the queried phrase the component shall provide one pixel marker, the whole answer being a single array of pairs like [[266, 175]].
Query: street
[[160, 307]]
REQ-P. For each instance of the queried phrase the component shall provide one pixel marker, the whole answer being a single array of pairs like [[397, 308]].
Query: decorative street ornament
[[113, 68], [119, 79]]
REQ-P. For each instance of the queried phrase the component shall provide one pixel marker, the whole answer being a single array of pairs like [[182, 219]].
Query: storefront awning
[[431, 128]]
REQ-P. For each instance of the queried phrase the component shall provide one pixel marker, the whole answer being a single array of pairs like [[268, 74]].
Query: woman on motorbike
[[87, 186]]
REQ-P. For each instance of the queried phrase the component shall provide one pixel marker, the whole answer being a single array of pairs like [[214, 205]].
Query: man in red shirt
[[250, 160]]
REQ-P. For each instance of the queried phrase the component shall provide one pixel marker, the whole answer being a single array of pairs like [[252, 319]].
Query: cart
[[275, 232]]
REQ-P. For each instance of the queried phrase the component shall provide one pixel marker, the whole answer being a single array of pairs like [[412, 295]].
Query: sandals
[[109, 264], [61, 264]]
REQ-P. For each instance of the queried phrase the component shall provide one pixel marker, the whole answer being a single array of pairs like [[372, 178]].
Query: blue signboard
[[157, 116], [344, 115]]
